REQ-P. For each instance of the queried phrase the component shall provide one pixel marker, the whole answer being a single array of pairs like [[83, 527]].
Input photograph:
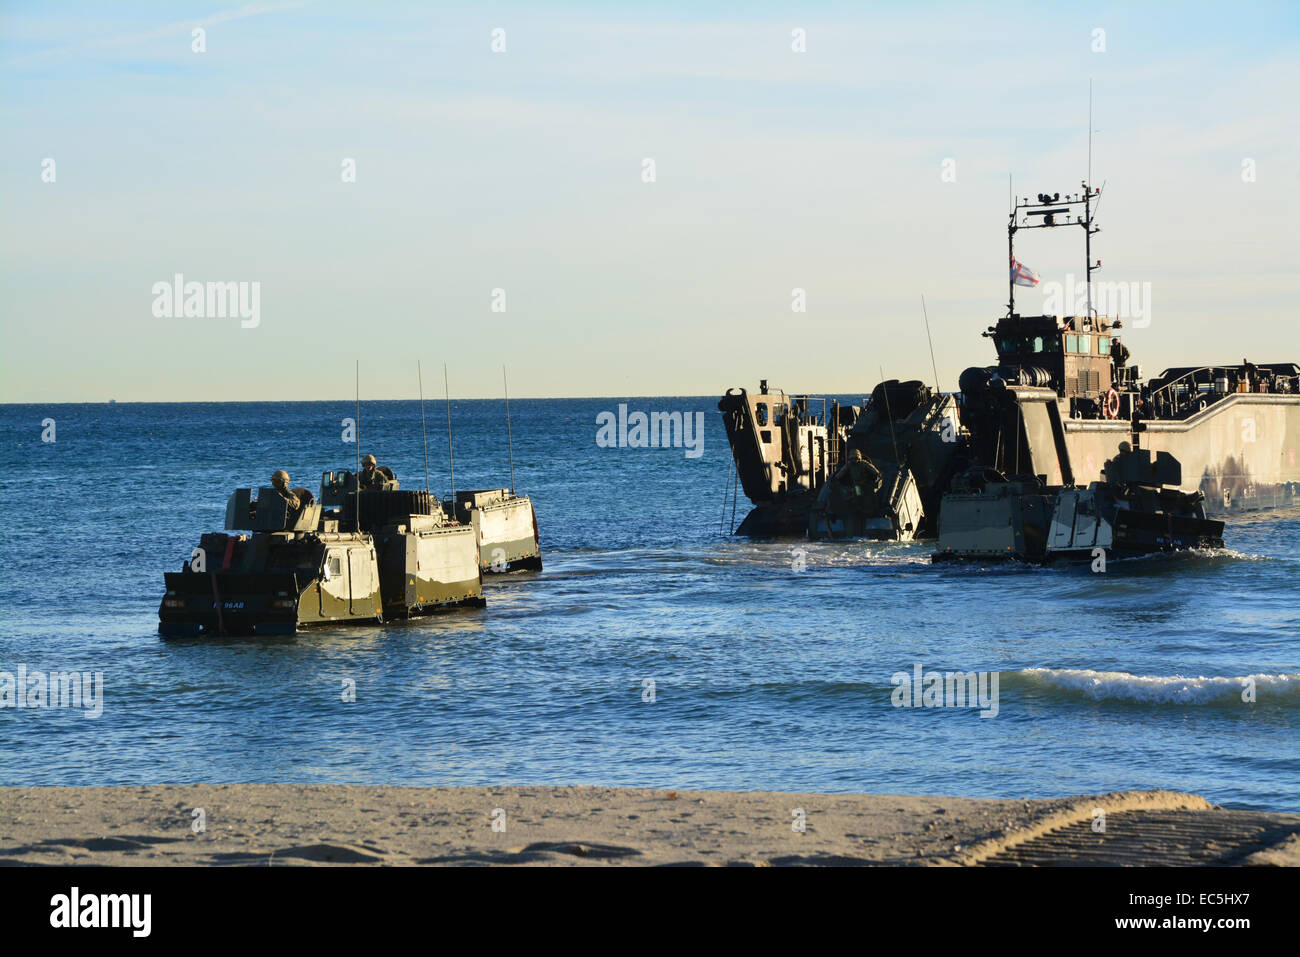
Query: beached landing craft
[[1061, 400], [785, 448], [795, 469], [383, 554], [1233, 427]]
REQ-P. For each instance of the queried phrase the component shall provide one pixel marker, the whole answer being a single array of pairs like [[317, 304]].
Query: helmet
[[279, 477], [855, 455], [368, 460]]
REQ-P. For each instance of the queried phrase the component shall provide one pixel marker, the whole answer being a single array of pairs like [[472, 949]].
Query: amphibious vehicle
[[354, 555]]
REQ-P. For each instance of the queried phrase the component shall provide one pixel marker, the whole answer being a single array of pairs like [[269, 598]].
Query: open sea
[[763, 676]]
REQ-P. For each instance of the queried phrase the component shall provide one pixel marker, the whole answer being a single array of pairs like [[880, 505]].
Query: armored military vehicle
[[426, 559], [353, 556], [913, 438], [784, 450], [505, 528], [1136, 510]]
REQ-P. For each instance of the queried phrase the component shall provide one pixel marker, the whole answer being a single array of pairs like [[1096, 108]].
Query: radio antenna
[[1087, 223], [424, 432], [889, 414], [356, 437], [1089, 132], [451, 455], [933, 364], [510, 439]]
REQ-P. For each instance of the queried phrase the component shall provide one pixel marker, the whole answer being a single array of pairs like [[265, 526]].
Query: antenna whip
[[451, 455], [510, 439], [424, 433]]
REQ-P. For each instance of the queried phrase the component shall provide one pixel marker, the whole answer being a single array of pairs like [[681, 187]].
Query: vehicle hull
[[237, 603]]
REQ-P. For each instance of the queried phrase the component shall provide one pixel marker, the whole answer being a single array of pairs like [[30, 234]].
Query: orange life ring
[[1110, 405]]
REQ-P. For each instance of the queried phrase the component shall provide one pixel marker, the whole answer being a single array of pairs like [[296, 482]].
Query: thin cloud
[[171, 29]]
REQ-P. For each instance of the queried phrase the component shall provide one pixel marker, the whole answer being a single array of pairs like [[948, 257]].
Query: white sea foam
[[1178, 689]]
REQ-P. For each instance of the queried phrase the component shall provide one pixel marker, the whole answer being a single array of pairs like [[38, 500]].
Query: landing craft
[[785, 449], [1056, 407]]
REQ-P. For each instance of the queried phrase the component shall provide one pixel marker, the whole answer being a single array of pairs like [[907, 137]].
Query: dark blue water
[[764, 677]]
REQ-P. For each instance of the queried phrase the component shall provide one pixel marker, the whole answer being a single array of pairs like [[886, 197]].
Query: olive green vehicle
[[911, 438], [368, 555], [1138, 509], [426, 559], [505, 528]]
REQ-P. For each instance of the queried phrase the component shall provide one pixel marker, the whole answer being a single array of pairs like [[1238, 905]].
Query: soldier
[[370, 476], [1118, 358], [1249, 374], [280, 482], [865, 480]]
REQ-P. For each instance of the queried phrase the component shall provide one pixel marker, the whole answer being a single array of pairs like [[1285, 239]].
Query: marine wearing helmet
[[371, 476], [866, 480], [280, 482]]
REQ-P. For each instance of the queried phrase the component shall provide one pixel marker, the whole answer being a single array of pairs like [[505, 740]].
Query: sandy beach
[[277, 824]]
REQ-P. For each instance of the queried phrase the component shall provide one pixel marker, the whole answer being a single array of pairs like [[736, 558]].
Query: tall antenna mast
[[510, 439], [1011, 255], [424, 433], [1087, 206], [451, 455]]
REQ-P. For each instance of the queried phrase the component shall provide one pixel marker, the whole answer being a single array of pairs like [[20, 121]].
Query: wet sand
[[280, 824]]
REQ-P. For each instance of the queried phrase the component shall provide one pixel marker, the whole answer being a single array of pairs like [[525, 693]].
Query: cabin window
[[1037, 345], [760, 413], [1071, 343], [1103, 345], [336, 565]]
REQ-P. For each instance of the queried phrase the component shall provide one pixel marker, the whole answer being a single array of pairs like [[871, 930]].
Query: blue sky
[[522, 171]]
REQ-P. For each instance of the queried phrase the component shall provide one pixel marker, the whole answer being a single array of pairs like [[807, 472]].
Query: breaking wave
[[1157, 689]]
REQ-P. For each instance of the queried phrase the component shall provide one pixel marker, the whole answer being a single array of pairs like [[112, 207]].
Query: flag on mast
[[1022, 275]]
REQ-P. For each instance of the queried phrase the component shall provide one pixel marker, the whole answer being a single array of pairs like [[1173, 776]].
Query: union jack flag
[[1022, 275]]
